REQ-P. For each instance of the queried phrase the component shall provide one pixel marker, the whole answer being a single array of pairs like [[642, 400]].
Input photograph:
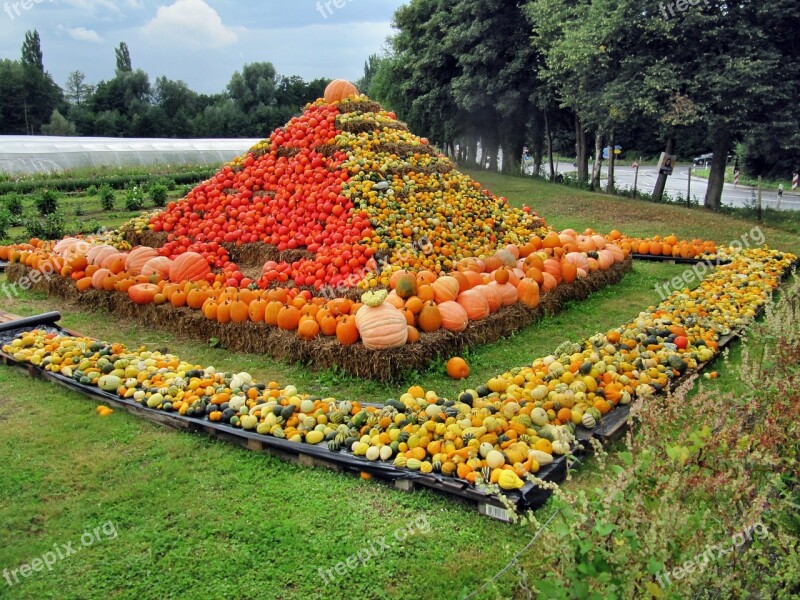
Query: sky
[[201, 42]]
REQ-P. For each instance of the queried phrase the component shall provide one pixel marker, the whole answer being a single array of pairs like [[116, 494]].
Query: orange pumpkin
[[143, 293], [528, 291], [457, 368], [475, 303], [347, 332], [189, 266], [338, 90], [405, 285], [430, 318], [413, 335], [157, 266], [445, 289], [239, 312], [569, 272], [382, 327], [454, 317], [137, 258], [508, 293], [308, 328], [288, 317], [99, 277]]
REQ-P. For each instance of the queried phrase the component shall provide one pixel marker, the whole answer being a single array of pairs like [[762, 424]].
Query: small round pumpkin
[[457, 368], [143, 293], [347, 332]]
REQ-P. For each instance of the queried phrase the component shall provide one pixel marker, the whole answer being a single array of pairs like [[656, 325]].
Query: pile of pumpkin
[[417, 304], [666, 246], [470, 438]]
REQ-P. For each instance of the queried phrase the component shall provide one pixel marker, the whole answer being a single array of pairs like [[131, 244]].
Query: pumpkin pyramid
[[344, 195]]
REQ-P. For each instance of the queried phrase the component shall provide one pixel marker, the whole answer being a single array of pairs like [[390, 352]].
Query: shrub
[[13, 204], [47, 203], [90, 226], [5, 220], [158, 193], [106, 197], [134, 198], [80, 210], [91, 190], [51, 227]]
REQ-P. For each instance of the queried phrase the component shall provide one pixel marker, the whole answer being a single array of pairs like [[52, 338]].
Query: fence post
[[759, 199]]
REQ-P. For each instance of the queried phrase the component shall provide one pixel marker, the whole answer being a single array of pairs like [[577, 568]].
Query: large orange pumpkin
[[137, 258], [508, 293], [454, 317], [382, 327], [339, 89], [289, 317], [97, 254], [99, 277], [445, 289], [159, 265], [475, 303], [189, 266]]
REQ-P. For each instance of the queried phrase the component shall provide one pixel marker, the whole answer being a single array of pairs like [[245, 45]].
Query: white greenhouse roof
[[24, 155]]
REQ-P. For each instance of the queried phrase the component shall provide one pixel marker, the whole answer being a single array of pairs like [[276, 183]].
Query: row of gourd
[[502, 432]]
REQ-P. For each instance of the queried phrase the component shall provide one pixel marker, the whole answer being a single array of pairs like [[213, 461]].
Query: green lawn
[[197, 518]]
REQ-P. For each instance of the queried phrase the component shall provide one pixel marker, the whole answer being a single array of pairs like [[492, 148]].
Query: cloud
[[85, 35], [192, 22]]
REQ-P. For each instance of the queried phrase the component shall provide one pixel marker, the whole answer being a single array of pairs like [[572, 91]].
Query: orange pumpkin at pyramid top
[[353, 192]]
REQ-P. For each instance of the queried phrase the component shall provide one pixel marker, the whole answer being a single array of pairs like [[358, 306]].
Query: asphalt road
[[678, 183]]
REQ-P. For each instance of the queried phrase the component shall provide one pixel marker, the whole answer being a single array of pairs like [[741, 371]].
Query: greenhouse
[[26, 155]]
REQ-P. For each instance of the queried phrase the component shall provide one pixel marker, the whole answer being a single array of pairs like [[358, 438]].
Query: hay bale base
[[326, 352]]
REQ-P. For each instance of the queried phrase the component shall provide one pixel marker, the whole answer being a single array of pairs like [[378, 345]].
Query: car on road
[[704, 160]]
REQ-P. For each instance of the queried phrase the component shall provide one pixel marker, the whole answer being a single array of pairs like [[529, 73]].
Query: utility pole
[[689, 190], [759, 199]]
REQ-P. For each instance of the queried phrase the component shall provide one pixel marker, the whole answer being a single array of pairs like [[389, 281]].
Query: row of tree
[[256, 101], [576, 76]]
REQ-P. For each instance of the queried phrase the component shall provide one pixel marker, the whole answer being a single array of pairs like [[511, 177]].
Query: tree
[[124, 64], [58, 125], [40, 95], [255, 85], [76, 89], [32, 51]]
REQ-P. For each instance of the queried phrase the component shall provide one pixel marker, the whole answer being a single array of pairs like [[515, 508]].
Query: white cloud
[[85, 35], [192, 22]]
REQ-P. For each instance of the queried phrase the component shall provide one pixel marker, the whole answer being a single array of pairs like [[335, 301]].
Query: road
[[678, 183]]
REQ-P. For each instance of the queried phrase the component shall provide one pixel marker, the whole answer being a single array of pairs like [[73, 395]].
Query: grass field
[[196, 518]]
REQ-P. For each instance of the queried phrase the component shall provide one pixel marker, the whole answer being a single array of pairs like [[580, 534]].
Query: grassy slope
[[198, 518]]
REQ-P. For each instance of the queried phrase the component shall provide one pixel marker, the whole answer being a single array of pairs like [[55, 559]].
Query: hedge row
[[76, 184]]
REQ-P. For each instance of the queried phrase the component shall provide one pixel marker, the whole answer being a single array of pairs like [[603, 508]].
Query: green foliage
[[80, 210], [5, 220], [51, 227], [13, 204], [91, 190], [134, 198], [106, 197], [46, 202], [158, 193]]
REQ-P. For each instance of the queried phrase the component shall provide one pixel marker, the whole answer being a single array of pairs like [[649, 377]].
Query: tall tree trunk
[[550, 147], [716, 178], [537, 151], [581, 151], [598, 160], [510, 157], [491, 150], [612, 160], [472, 152], [661, 182]]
